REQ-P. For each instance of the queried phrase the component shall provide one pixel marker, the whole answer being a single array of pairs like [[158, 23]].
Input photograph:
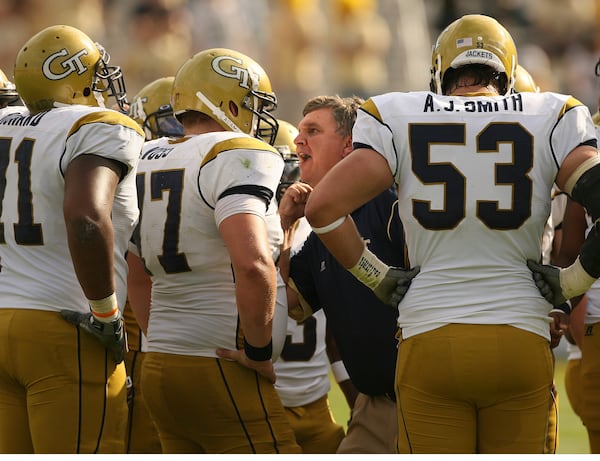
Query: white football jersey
[[193, 308], [35, 150], [557, 213], [303, 366], [474, 190]]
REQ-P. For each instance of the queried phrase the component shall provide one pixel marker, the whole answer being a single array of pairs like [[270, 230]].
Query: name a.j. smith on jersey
[[511, 103]]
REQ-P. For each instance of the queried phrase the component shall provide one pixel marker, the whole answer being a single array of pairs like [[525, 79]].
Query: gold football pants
[[316, 430], [60, 390], [211, 405], [141, 435], [473, 389], [590, 384]]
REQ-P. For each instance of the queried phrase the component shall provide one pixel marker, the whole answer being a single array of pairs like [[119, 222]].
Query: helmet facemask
[[265, 124], [8, 95], [163, 123], [291, 175], [109, 80]]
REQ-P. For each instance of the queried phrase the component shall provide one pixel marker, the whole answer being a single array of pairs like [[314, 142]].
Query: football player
[[303, 366], [582, 376], [584, 315], [151, 109], [284, 143], [68, 210], [474, 164], [206, 238], [551, 238]]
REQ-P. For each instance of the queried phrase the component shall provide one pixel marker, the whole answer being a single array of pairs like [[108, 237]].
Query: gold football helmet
[[473, 39], [524, 82], [284, 143], [229, 87], [8, 91], [62, 65], [151, 109]]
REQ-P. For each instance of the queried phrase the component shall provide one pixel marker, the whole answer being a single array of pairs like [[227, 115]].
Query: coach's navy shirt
[[363, 327]]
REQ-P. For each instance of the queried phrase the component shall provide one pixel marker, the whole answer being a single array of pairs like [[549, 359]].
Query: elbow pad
[[586, 191]]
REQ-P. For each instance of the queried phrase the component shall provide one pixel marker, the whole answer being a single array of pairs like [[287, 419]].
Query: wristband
[[369, 269], [565, 307], [329, 227], [105, 309], [574, 280], [339, 371], [259, 354]]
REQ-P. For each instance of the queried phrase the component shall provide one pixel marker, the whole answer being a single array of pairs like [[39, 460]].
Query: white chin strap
[[99, 99], [510, 84], [438, 73], [218, 113]]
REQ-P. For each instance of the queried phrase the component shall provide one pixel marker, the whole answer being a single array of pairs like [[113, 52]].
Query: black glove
[[111, 335], [395, 284], [547, 280]]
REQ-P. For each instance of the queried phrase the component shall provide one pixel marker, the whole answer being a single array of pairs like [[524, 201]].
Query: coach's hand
[[263, 367], [395, 284], [111, 335]]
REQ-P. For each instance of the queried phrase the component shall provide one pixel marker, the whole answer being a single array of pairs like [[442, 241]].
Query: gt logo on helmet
[[235, 72], [72, 64]]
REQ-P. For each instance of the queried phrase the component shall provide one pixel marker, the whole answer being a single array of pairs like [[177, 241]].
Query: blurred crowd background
[[311, 47]]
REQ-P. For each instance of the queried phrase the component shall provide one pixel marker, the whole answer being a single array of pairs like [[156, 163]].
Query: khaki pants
[[373, 426]]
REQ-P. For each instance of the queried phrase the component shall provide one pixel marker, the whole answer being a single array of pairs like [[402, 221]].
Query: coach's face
[[319, 146]]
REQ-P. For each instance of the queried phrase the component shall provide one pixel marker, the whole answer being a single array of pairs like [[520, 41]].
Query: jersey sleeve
[[108, 134], [573, 128], [370, 131], [241, 165]]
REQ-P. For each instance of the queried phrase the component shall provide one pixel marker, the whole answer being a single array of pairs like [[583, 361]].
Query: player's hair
[[343, 110], [477, 74]]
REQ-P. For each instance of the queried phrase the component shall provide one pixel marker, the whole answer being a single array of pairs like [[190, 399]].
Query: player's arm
[[575, 331], [338, 369], [90, 185], [352, 182], [139, 289], [245, 236], [573, 234], [579, 176]]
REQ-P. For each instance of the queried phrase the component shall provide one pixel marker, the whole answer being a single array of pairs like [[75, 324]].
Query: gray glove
[[547, 280], [394, 286], [111, 335]]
